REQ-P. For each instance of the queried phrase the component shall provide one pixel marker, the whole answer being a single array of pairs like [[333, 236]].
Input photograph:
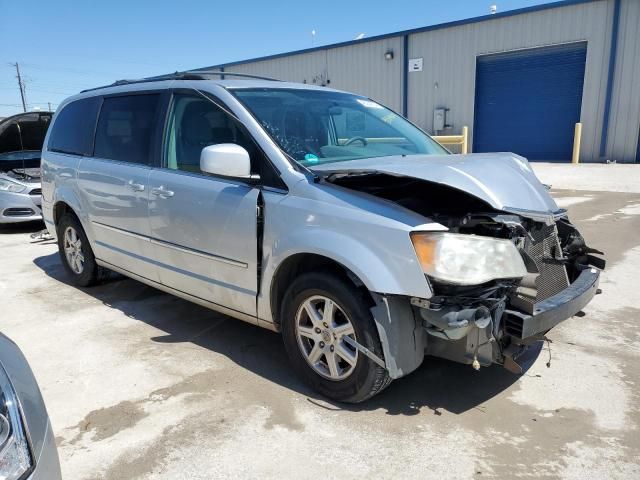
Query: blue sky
[[64, 46]]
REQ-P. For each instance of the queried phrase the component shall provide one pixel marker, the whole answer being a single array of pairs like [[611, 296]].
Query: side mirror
[[226, 160]]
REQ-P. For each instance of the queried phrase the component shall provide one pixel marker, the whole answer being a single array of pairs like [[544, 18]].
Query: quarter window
[[125, 128], [72, 132]]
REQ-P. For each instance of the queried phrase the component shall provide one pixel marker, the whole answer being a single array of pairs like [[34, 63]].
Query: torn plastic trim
[[402, 336]]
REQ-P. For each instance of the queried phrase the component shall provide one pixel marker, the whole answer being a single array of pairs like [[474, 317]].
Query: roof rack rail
[[186, 75], [230, 74]]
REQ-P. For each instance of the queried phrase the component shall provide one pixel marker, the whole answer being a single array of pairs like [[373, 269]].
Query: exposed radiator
[[543, 250]]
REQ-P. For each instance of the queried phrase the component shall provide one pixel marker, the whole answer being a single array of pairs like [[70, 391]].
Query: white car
[[21, 138]]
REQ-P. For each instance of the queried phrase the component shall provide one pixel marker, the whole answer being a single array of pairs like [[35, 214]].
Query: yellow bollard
[[465, 140], [577, 136]]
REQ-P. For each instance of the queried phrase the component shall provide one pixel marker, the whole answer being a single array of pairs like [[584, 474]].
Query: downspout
[[610, 78], [638, 149], [222, 76], [405, 75]]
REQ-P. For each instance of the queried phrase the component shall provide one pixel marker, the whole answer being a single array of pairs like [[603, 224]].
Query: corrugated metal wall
[[448, 76], [294, 68], [624, 119], [360, 68], [448, 79]]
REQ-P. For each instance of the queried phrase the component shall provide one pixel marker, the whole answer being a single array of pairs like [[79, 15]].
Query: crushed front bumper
[[511, 335], [550, 312]]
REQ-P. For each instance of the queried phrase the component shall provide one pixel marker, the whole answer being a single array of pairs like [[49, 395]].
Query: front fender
[[381, 271], [389, 275]]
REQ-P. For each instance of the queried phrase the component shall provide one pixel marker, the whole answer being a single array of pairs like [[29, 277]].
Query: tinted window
[[72, 131], [194, 123], [125, 128]]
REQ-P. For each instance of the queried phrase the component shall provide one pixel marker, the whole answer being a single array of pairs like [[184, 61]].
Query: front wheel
[[319, 310]]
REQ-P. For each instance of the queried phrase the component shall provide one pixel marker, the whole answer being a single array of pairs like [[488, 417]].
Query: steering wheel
[[355, 139]]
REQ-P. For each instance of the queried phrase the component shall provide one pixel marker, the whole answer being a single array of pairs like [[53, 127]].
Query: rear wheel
[[319, 311], [76, 254]]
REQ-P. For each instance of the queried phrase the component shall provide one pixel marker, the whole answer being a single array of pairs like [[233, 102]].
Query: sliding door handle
[[136, 187], [162, 192]]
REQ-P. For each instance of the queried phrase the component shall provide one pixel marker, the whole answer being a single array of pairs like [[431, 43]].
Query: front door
[[203, 228]]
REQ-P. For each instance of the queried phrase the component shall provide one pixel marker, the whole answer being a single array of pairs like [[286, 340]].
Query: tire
[[347, 382], [87, 272]]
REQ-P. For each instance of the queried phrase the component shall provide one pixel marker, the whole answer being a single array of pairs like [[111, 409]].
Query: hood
[[24, 133], [28, 177], [25, 160], [503, 180]]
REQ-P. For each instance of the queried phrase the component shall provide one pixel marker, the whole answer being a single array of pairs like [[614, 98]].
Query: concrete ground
[[142, 385]]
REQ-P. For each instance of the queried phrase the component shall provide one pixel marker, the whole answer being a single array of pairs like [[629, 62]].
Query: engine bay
[[470, 324]]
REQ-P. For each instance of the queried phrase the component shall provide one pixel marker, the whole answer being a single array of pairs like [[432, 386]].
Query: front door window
[[195, 123]]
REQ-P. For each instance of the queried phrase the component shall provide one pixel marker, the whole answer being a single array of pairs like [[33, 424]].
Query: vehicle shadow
[[22, 227], [437, 385]]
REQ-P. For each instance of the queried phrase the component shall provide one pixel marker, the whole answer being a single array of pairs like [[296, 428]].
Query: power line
[[51, 91], [67, 69]]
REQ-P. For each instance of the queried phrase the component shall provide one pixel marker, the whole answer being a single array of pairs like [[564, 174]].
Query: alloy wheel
[[73, 250], [321, 326]]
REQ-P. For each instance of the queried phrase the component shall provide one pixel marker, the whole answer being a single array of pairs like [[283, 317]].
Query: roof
[[170, 80], [456, 23], [165, 82]]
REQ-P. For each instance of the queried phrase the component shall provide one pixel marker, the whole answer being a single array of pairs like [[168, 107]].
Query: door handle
[[162, 192], [136, 187]]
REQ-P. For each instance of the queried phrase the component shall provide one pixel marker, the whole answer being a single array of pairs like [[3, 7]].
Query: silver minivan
[[316, 213]]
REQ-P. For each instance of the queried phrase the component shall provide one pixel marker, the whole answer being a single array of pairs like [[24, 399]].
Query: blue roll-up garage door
[[528, 101]]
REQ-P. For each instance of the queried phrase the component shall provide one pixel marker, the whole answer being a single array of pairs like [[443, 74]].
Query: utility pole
[[20, 86], [49, 103]]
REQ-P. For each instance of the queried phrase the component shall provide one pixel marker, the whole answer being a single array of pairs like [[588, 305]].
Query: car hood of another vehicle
[[26, 159], [503, 180], [18, 177]]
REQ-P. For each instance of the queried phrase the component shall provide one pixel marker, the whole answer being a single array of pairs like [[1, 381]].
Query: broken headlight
[[467, 259], [15, 459]]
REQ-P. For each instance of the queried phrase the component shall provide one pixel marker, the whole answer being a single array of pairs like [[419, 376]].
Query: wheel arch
[[304, 262], [60, 208], [403, 342], [66, 201]]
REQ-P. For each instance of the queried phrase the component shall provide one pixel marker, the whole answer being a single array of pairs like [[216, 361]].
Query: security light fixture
[[388, 55]]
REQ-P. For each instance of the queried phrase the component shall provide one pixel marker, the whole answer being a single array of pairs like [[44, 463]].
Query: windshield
[[316, 127]]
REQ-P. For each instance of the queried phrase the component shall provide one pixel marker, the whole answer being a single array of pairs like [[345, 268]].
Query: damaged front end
[[497, 321], [501, 277]]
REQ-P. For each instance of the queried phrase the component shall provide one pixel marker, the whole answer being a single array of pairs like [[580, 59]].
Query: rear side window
[[72, 131], [126, 128]]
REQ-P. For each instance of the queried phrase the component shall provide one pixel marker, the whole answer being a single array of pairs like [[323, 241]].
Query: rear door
[[115, 181], [204, 228]]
